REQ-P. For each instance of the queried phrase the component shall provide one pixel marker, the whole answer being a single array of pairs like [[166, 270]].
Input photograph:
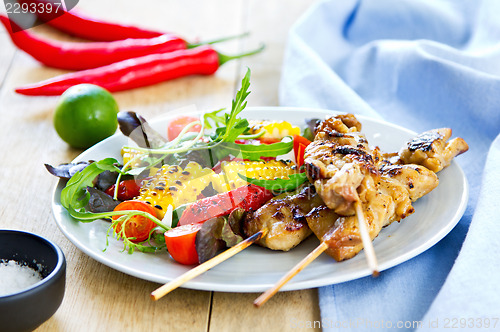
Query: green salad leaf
[[75, 193]]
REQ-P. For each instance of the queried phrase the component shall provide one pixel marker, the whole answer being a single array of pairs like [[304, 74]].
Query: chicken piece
[[389, 199], [431, 149], [285, 220], [417, 180], [338, 160], [341, 233]]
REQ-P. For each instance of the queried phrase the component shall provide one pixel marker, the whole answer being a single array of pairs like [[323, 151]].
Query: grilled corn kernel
[[228, 178], [274, 129], [175, 186]]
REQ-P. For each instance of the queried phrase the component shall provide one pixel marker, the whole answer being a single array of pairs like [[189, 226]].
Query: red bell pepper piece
[[247, 197], [138, 72], [299, 146], [77, 56]]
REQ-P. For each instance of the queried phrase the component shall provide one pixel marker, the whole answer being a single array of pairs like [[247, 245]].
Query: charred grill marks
[[424, 141]]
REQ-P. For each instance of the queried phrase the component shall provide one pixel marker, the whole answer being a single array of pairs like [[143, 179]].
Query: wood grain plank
[[286, 311]]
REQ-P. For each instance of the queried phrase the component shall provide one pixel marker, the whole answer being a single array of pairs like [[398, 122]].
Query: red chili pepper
[[82, 26], [138, 72], [247, 197], [77, 56]]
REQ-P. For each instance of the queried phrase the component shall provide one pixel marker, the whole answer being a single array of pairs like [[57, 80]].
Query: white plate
[[256, 269]]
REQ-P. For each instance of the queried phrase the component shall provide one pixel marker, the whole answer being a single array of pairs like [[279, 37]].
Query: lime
[[85, 115]]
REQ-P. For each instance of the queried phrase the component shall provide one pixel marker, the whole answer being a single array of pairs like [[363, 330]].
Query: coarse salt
[[15, 277]]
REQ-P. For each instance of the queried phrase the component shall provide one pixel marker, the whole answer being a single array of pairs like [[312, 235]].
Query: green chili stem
[[223, 58], [220, 40]]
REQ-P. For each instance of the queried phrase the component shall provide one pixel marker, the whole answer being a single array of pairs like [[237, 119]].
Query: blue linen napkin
[[422, 65]]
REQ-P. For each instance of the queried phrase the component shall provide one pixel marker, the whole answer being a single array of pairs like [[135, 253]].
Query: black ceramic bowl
[[27, 309]]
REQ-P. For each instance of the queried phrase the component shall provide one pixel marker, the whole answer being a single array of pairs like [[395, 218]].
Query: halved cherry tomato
[[127, 189], [181, 243], [176, 125], [137, 227], [299, 146]]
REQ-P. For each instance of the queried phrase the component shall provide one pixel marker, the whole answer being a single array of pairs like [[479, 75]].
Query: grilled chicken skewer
[[397, 187], [343, 169], [386, 196]]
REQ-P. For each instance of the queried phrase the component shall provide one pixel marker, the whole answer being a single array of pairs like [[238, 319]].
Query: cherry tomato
[[299, 146], [127, 189], [176, 125], [181, 243], [137, 227]]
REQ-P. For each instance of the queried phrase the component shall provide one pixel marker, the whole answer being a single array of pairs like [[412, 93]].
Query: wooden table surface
[[97, 297]]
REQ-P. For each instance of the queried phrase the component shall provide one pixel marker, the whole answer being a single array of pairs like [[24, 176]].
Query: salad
[[187, 192]]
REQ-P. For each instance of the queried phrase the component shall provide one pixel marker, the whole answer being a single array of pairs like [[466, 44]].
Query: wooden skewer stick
[[367, 244], [177, 282], [367, 241], [296, 269]]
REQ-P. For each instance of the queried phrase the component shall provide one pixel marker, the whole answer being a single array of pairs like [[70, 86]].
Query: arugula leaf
[[279, 185], [234, 126], [254, 152], [75, 193], [215, 117]]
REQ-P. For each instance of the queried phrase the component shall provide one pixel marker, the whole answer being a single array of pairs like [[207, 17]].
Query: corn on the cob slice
[[274, 129], [228, 178], [175, 186]]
